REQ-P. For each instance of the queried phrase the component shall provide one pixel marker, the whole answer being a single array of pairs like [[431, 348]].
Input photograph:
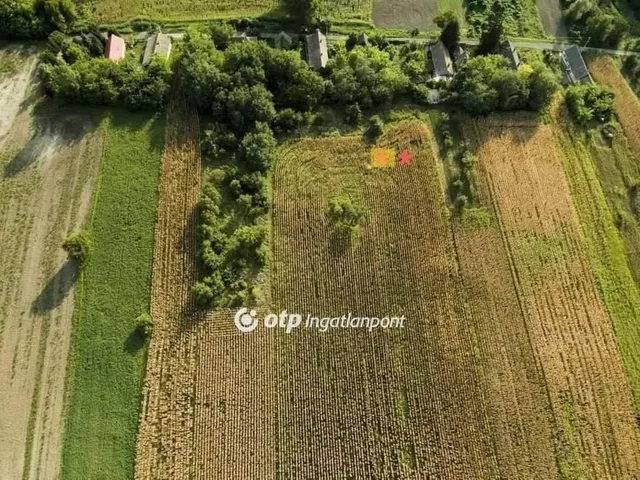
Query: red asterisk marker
[[405, 157]]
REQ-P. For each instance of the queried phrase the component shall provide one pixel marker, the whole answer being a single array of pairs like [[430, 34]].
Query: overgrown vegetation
[[590, 102], [485, 84], [76, 72], [459, 165], [597, 21], [245, 89], [29, 19], [631, 70], [518, 17], [345, 215], [78, 247]]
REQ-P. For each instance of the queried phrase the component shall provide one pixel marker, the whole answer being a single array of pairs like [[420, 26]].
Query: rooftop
[[115, 48], [442, 64], [508, 51], [317, 50], [157, 44], [576, 69]]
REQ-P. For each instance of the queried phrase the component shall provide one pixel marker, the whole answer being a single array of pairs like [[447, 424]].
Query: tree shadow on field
[[51, 131], [517, 127], [56, 289], [340, 242], [191, 314], [135, 121], [134, 342]]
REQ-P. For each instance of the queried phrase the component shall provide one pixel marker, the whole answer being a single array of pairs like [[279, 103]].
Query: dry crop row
[[389, 403], [164, 447], [570, 329]]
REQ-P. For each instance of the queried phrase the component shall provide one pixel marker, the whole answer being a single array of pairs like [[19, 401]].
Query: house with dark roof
[[575, 70], [115, 48], [508, 51], [317, 50], [157, 44], [441, 60], [282, 41]]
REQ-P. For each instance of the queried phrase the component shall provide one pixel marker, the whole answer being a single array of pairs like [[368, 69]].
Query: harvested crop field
[[49, 160], [497, 371], [570, 329], [409, 14], [626, 103]]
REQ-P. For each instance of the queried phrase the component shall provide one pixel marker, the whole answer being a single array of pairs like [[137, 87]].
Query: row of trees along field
[[252, 92], [29, 19]]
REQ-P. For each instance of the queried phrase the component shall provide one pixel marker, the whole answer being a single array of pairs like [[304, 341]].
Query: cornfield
[[506, 367], [568, 326]]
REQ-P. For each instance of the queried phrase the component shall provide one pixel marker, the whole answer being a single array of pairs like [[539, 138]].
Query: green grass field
[[111, 11], [107, 358]]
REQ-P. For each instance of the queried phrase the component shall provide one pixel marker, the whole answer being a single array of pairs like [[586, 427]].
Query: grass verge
[[106, 363]]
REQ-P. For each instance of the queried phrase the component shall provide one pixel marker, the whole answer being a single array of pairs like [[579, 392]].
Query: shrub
[[589, 102], [344, 214], [221, 34], [366, 76], [461, 203], [258, 148], [78, 247], [144, 324], [375, 127], [353, 114], [288, 120]]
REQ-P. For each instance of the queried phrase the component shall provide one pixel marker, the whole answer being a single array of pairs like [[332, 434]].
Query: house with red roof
[[115, 48]]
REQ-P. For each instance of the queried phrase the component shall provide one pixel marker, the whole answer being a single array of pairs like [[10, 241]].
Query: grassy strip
[[107, 358], [605, 246]]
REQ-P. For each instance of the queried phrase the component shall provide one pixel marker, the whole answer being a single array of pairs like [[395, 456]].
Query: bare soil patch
[[407, 14], [48, 166]]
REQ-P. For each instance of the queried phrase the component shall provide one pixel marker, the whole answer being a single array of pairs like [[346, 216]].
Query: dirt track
[[48, 166]]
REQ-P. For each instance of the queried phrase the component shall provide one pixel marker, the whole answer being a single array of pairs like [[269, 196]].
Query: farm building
[[508, 51], [317, 50], [115, 48], [575, 70], [282, 41], [157, 44], [442, 63]]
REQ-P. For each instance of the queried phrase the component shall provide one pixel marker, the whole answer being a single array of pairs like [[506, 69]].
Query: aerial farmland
[[319, 239]]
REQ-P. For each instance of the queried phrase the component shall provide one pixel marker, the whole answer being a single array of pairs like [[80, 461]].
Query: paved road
[[537, 45]]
